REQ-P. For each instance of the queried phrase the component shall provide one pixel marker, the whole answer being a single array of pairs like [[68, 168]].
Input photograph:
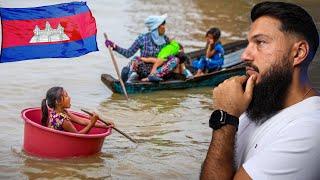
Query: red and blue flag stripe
[[78, 29]]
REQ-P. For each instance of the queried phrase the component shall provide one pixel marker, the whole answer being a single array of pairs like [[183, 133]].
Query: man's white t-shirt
[[286, 146]]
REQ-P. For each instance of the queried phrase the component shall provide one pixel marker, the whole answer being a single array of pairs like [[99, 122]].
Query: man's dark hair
[[215, 32], [294, 19]]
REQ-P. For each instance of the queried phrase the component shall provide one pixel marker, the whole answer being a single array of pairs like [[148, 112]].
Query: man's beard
[[269, 95]]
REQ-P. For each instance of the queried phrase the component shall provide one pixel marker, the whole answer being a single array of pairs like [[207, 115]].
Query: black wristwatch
[[220, 118]]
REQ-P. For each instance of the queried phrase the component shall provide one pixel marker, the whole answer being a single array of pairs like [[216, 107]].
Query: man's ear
[[301, 51]]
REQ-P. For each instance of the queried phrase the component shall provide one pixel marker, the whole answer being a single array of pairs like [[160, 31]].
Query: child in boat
[[59, 118], [167, 52], [213, 60]]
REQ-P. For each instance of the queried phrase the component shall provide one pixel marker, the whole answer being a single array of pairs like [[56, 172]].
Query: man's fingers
[[243, 79], [240, 79], [249, 86]]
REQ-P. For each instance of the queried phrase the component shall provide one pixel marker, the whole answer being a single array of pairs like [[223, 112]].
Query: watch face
[[220, 118], [215, 119]]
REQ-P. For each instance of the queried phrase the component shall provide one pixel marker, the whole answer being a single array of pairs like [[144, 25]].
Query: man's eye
[[260, 42]]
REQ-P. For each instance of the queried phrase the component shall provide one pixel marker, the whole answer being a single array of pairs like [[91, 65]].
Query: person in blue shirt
[[214, 57]]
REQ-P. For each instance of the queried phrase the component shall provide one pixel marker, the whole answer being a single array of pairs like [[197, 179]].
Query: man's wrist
[[220, 118]]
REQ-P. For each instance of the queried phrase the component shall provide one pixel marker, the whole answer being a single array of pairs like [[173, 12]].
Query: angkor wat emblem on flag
[[49, 34]]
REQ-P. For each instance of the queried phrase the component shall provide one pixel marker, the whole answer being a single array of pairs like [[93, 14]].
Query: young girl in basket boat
[[58, 100]]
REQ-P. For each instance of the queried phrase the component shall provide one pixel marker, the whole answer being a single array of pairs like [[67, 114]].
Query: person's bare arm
[[210, 53], [210, 50], [149, 59], [156, 64], [102, 125], [219, 161], [85, 121], [78, 119], [230, 97], [68, 126]]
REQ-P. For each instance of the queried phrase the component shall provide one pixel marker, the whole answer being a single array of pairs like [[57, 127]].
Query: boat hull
[[209, 80], [49, 143]]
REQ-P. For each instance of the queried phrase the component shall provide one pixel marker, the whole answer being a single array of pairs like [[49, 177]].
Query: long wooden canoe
[[232, 67]]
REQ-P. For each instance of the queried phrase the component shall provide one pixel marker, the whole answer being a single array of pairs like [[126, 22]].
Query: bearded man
[[267, 124]]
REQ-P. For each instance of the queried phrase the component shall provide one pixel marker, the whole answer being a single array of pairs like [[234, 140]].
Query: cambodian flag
[[57, 31]]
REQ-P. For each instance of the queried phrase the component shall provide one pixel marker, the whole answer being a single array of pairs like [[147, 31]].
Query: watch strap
[[232, 120], [219, 118]]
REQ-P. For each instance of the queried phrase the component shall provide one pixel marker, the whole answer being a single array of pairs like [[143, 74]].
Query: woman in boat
[[59, 118], [213, 60], [149, 45]]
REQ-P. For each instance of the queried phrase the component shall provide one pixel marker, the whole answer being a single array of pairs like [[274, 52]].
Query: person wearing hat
[[149, 44]]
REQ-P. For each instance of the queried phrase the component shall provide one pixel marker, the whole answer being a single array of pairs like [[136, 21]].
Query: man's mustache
[[254, 67]]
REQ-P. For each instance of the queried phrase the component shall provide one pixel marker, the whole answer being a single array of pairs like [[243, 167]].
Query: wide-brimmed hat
[[153, 22]]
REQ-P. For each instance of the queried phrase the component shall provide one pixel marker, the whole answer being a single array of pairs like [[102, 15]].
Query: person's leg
[[185, 71], [156, 64], [139, 69], [200, 65], [199, 73], [195, 65], [132, 75], [153, 76], [168, 67], [144, 69], [177, 70], [125, 72], [164, 70], [213, 65]]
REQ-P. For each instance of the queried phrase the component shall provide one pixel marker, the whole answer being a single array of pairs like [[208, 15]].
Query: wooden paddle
[[116, 67], [124, 134]]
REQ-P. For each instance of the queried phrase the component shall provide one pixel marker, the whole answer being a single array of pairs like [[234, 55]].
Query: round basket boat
[[49, 143]]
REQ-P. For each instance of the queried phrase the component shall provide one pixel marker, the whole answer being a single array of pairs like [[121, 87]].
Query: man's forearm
[[219, 161]]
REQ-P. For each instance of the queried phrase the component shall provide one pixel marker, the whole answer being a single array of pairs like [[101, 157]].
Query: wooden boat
[[49, 143], [232, 67]]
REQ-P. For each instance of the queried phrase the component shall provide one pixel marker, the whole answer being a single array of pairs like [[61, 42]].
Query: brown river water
[[171, 125]]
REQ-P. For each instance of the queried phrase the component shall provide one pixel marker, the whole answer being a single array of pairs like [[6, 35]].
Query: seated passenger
[[213, 60]]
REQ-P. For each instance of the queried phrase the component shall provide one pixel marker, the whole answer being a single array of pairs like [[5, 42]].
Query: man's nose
[[247, 54]]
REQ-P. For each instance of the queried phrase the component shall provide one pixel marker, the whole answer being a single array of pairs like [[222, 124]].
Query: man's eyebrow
[[256, 36]]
